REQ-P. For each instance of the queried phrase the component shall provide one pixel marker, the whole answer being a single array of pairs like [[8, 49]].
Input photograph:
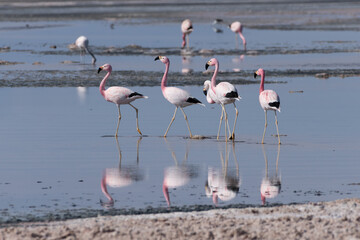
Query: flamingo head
[[162, 59], [211, 62], [260, 72], [107, 67], [206, 86]]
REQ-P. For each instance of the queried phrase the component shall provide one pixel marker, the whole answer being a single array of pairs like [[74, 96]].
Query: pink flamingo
[[269, 100], [177, 96], [186, 29], [236, 27], [119, 96], [83, 44], [225, 93]]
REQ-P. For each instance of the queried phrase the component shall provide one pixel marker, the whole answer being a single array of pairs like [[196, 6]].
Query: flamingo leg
[[117, 129], [173, 118], [226, 122], [262, 141], [187, 41], [221, 118], [277, 127], [236, 116], [137, 119], [187, 122]]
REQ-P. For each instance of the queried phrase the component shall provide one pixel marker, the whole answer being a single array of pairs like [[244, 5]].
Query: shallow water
[[56, 145], [56, 140]]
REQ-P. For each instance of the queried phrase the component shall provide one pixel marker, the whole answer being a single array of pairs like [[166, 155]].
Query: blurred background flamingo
[[83, 44], [237, 28], [186, 29]]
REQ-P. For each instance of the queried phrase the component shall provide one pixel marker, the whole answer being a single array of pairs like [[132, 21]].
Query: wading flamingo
[[269, 100], [119, 96], [236, 27], [83, 44], [225, 93], [177, 96], [186, 29]]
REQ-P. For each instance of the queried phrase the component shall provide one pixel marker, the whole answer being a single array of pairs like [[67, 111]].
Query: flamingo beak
[[255, 74], [157, 58], [206, 66], [99, 70], [205, 91]]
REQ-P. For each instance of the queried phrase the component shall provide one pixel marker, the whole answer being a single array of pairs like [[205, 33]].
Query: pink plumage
[[177, 96], [119, 95], [222, 93], [269, 100], [186, 29], [237, 28]]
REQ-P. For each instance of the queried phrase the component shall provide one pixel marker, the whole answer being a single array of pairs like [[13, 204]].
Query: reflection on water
[[178, 175], [222, 183], [270, 185], [122, 176], [82, 92], [186, 65]]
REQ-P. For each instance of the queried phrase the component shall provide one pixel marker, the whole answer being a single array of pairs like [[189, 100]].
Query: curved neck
[[213, 79], [166, 193], [102, 84], [243, 39], [104, 190], [262, 82], [183, 40], [164, 79]]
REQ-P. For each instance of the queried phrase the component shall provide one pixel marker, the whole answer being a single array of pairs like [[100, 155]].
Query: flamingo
[[83, 44], [269, 100], [186, 29], [225, 93], [177, 96], [118, 95], [236, 27]]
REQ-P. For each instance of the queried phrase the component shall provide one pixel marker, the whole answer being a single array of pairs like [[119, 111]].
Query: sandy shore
[[325, 220]]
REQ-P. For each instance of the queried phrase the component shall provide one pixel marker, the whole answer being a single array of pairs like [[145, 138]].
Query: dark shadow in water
[[178, 175], [221, 183], [121, 176], [270, 185]]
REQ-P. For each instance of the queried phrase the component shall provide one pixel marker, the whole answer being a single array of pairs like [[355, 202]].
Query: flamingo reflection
[[178, 175], [121, 176], [270, 186], [186, 64], [222, 183]]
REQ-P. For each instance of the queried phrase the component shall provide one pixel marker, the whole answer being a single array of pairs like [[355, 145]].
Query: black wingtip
[[157, 58]]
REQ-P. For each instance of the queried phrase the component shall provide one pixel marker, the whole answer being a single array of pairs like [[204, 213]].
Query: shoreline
[[338, 219]]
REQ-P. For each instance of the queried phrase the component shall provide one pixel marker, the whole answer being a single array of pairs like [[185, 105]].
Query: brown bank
[[325, 220]]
